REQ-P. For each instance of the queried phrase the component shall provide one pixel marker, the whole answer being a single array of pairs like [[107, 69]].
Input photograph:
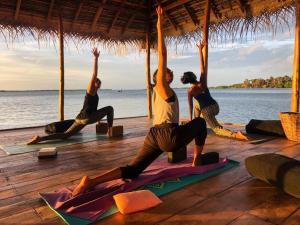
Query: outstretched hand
[[159, 12], [200, 45], [95, 52]]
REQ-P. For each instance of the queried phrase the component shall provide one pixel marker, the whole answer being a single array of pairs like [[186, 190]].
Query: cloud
[[29, 66]]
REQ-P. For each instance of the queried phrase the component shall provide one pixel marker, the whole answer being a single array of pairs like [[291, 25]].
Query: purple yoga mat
[[93, 204]]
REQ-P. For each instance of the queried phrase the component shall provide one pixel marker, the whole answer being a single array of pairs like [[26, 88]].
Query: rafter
[[18, 9], [98, 14], [245, 8], [215, 10], [172, 5], [128, 24], [191, 14], [77, 13], [167, 15], [50, 10], [116, 16], [131, 18], [171, 20]]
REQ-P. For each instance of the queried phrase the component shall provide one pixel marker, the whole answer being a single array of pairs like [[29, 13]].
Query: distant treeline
[[272, 82]]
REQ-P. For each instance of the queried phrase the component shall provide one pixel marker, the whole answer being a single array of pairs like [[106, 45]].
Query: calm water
[[32, 108]]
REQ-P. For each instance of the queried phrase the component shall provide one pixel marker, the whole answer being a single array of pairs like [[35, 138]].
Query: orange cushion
[[135, 201]]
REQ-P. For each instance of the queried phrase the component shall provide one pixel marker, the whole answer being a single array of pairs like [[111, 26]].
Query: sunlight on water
[[32, 108]]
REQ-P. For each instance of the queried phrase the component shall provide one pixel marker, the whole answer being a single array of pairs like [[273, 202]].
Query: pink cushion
[[135, 201]]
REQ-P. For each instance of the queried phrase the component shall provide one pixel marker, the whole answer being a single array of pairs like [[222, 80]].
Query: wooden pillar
[[205, 34], [62, 69], [296, 72], [148, 52]]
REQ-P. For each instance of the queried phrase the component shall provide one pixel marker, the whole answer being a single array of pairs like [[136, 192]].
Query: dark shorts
[[165, 138]]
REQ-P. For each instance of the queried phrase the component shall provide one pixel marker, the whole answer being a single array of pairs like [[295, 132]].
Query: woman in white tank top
[[166, 135]]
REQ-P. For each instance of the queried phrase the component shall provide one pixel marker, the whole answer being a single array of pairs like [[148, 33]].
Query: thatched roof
[[126, 20]]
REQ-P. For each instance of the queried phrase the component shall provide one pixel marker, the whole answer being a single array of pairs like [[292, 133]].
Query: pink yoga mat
[[93, 204]]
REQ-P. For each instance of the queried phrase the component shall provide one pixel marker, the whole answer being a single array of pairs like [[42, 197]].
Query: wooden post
[[205, 34], [62, 68], [148, 75], [296, 72]]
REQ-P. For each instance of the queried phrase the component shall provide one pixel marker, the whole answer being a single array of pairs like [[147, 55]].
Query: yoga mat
[[76, 139], [255, 138], [160, 188]]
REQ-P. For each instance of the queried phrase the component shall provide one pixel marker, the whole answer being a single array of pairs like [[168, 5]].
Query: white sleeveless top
[[163, 111]]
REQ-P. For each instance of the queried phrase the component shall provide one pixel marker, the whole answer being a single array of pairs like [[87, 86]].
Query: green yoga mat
[[159, 189], [255, 138], [76, 139]]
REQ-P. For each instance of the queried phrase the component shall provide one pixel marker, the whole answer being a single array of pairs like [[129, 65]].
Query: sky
[[27, 65]]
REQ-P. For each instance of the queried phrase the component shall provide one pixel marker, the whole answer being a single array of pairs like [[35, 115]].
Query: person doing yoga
[[166, 135], [206, 106], [89, 113]]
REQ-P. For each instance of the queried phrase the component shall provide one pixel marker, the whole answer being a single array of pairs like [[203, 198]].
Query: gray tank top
[[163, 111]]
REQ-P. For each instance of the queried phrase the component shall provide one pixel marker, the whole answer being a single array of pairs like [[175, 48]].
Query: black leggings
[[165, 138], [79, 124]]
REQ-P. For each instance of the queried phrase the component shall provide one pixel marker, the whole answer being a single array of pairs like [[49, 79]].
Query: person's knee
[[110, 108], [201, 122]]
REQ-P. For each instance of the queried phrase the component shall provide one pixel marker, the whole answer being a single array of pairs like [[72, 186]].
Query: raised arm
[[162, 85], [203, 75], [91, 88], [190, 100]]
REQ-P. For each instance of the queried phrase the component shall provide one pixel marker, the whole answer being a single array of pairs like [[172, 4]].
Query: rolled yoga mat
[[278, 170], [265, 127]]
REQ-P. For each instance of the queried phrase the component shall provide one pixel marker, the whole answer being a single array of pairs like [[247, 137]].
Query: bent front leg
[[107, 111]]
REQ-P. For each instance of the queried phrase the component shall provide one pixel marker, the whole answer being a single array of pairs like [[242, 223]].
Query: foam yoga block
[[116, 131], [101, 128], [278, 170], [177, 156], [47, 153]]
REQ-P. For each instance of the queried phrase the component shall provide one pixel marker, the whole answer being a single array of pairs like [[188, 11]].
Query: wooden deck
[[233, 197]]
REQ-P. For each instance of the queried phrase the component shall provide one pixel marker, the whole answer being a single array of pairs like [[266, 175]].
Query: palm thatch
[[126, 21]]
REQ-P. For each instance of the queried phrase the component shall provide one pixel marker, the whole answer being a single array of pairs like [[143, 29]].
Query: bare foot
[[83, 186], [34, 140], [196, 162], [239, 135]]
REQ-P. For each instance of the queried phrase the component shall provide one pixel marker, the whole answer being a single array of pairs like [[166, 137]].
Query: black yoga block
[[58, 127], [177, 156], [208, 158], [278, 170]]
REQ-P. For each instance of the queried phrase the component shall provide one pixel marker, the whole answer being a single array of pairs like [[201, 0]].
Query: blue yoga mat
[[76, 139], [159, 189]]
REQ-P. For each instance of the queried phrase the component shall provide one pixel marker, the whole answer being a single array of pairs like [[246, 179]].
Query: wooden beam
[[131, 18], [77, 13], [98, 14], [296, 69], [167, 16], [171, 20], [50, 10], [62, 68], [191, 15], [215, 10], [18, 9], [128, 24], [245, 8], [172, 5], [148, 52], [116, 16], [205, 34]]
